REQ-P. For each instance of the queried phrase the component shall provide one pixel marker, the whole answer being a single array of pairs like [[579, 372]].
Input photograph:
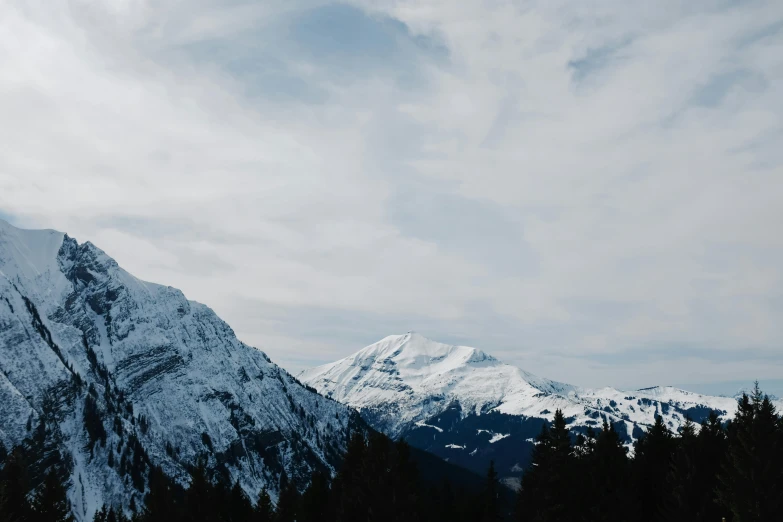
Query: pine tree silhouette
[[681, 502], [159, 503], [315, 500], [14, 506], [491, 493], [238, 506], [100, 515], [650, 468], [348, 489], [287, 503], [712, 447], [752, 477], [93, 422], [265, 510], [113, 515], [199, 498], [547, 492], [51, 503], [405, 498], [607, 473]]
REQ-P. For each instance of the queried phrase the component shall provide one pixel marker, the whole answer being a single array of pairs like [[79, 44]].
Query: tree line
[[378, 481], [704, 473]]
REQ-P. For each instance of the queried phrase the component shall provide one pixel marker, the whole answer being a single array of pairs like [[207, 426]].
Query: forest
[[705, 473]]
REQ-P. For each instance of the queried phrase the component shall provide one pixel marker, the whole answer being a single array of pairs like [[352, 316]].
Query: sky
[[592, 191]]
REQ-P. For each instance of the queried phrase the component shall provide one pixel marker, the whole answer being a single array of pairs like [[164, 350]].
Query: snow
[[494, 437], [423, 425], [175, 360], [512, 483], [28, 253], [28, 259], [405, 380], [410, 378], [498, 437]]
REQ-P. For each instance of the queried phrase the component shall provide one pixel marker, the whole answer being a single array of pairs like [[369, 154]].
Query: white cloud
[[614, 169]]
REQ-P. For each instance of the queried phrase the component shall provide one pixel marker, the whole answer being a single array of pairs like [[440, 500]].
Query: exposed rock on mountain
[[109, 375], [469, 408]]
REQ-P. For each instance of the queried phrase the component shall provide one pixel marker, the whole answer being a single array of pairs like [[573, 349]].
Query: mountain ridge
[[122, 374], [467, 409]]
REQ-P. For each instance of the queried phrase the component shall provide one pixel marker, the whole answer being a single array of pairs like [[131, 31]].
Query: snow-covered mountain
[[468, 407], [118, 374]]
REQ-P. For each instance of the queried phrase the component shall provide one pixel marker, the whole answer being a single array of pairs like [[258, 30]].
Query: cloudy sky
[[591, 190]]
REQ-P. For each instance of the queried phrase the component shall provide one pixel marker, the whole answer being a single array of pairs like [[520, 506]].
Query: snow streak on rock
[[406, 385], [159, 370]]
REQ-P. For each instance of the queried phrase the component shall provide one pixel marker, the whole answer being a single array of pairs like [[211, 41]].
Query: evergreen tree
[[375, 480], [287, 503], [238, 507], [265, 510], [348, 489], [405, 501], [378, 482], [752, 477], [199, 505], [315, 500], [693, 476], [491, 493], [681, 502], [607, 472], [14, 506], [100, 515], [650, 468], [118, 514], [93, 422], [51, 503], [159, 503], [546, 492], [712, 447], [219, 499], [111, 515]]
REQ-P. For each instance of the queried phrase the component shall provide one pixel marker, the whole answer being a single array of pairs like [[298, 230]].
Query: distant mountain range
[[469, 408]]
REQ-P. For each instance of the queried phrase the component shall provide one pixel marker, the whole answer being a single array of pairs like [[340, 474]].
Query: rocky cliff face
[[113, 375], [469, 408]]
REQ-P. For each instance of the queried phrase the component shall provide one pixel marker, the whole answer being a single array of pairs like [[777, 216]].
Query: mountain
[[469, 408], [106, 375]]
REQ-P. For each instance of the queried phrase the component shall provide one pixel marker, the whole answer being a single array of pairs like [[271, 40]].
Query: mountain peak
[[440, 394], [405, 372], [28, 258], [416, 352], [72, 319]]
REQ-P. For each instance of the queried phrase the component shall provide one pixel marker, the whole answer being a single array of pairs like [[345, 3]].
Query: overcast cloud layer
[[591, 190]]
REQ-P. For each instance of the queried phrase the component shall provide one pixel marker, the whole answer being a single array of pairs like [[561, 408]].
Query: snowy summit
[[469, 407], [123, 374]]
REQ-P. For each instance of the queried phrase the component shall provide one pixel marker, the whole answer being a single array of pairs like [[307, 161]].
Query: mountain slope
[[121, 374], [402, 380], [468, 407]]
